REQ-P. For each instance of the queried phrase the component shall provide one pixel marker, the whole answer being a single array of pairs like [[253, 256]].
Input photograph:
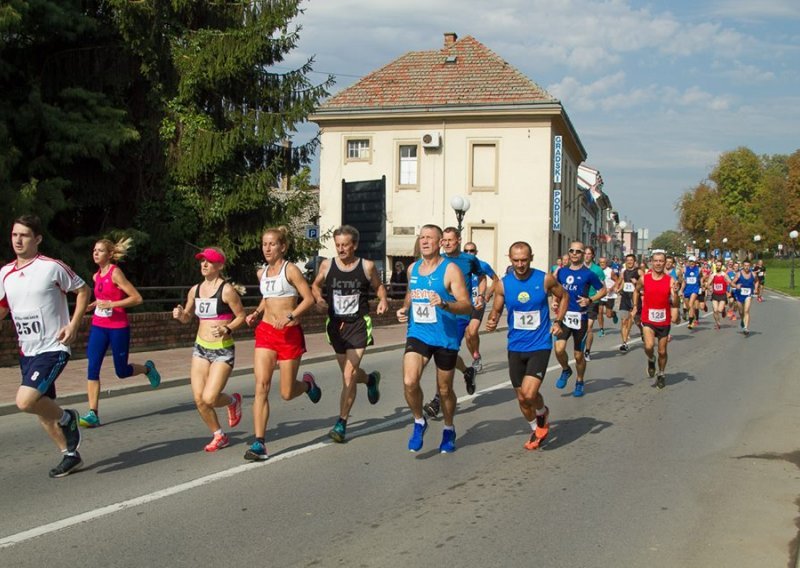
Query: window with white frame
[[483, 166], [358, 149], [408, 165]]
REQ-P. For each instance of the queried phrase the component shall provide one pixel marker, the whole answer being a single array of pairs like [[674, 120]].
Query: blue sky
[[656, 90]]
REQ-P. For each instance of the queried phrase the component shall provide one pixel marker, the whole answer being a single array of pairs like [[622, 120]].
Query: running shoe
[[432, 408], [71, 431], [313, 392], [540, 433], [587, 355], [578, 392], [717, 326], [669, 337], [746, 332], [624, 348], [256, 452], [601, 332], [477, 364], [651, 367], [615, 319], [374, 387], [661, 381], [337, 433], [69, 464], [562, 380], [152, 374], [218, 442], [89, 420], [415, 441], [448, 445], [469, 379], [235, 410]]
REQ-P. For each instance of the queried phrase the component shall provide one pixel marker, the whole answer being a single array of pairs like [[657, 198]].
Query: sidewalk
[[173, 364]]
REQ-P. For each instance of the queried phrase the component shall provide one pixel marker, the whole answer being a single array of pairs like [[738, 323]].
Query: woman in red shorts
[[279, 337]]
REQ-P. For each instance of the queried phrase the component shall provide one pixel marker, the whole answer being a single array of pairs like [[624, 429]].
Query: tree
[[670, 241], [229, 115]]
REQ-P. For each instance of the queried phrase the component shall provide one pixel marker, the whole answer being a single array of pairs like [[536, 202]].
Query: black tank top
[[629, 277], [347, 292], [218, 309]]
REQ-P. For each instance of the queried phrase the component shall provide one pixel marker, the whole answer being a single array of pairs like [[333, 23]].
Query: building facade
[[399, 144]]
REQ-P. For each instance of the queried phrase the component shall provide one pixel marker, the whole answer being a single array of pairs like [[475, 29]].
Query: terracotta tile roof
[[477, 76]]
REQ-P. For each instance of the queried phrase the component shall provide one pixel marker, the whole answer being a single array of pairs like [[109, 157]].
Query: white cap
[[692, 258]]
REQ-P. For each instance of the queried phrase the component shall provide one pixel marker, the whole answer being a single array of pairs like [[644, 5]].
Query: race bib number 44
[[423, 312], [527, 320]]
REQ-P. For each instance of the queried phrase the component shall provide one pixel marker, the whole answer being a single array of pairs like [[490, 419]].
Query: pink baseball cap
[[211, 255]]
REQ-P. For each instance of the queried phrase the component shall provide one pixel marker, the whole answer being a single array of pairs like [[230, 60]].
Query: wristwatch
[[444, 305], [289, 316]]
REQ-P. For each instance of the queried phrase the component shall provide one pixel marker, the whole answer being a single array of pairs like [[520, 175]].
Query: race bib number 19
[[423, 312]]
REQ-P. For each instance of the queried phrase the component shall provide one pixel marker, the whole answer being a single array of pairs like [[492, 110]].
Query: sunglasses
[[470, 250], [576, 251]]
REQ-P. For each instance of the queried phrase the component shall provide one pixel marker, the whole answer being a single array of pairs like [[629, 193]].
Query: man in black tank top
[[342, 286], [629, 275]]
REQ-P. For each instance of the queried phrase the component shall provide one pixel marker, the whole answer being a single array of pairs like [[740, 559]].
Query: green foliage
[[747, 195], [670, 241], [164, 120]]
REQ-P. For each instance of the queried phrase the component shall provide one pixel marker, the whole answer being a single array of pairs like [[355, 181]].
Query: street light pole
[[460, 205], [793, 236], [708, 251]]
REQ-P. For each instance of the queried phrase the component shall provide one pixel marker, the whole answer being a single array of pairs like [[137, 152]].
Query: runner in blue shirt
[[524, 292], [481, 286], [576, 279], [469, 265], [436, 294]]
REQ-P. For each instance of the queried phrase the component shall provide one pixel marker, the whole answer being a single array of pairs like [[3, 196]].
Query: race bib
[[103, 312], [657, 316], [30, 325], [527, 320], [719, 288], [206, 307], [744, 292], [628, 287], [691, 279], [345, 305], [424, 312], [572, 320]]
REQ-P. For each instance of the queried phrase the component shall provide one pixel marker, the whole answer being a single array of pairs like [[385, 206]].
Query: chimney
[[449, 39]]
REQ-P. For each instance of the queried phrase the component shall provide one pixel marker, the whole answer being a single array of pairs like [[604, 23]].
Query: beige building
[[399, 144]]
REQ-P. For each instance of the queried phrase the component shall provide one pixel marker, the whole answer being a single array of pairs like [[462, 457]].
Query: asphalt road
[[703, 473]]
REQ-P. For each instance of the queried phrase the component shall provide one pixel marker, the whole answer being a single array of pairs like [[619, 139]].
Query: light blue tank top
[[431, 325]]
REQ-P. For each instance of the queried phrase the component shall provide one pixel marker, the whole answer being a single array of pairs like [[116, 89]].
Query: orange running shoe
[[235, 410], [217, 443], [540, 433]]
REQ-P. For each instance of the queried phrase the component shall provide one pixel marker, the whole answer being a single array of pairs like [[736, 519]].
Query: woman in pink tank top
[[110, 328]]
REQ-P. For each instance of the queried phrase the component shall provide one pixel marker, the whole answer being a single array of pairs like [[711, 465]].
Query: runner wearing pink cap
[[217, 305]]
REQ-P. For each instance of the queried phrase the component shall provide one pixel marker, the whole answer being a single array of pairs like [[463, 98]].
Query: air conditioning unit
[[431, 140]]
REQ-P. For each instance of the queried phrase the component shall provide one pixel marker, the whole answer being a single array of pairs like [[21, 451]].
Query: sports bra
[[213, 308], [277, 286]]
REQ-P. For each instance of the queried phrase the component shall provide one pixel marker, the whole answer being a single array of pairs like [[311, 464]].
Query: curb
[[72, 398]]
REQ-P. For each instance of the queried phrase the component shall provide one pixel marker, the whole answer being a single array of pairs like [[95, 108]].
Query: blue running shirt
[[528, 312], [431, 325]]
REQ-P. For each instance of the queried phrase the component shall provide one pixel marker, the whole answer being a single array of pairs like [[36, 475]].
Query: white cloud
[[757, 11]]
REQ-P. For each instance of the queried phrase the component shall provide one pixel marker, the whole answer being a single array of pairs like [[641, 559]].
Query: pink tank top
[[105, 289]]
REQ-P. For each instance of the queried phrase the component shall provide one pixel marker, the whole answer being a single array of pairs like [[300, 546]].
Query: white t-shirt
[[36, 295], [609, 282]]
